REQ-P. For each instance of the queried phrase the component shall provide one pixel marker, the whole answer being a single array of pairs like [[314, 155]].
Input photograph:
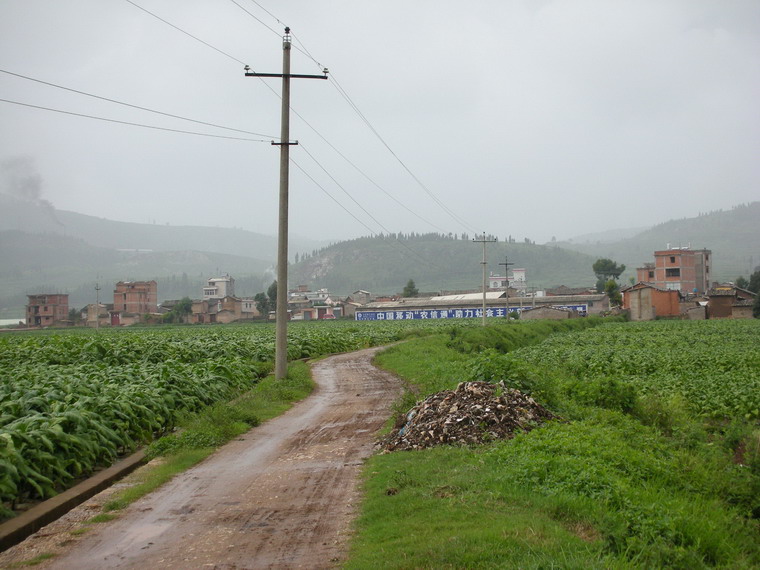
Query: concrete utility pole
[[484, 241], [281, 310], [506, 265], [97, 306]]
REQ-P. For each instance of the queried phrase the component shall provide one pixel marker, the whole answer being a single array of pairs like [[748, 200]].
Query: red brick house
[[47, 310], [644, 302]]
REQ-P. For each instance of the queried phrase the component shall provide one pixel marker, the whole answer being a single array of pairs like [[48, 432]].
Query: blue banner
[[473, 313]]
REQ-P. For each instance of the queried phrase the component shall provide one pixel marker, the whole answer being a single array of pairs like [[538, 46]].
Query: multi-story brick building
[[135, 297], [47, 310], [681, 269]]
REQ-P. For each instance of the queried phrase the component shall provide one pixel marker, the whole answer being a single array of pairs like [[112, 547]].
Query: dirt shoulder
[[281, 496]]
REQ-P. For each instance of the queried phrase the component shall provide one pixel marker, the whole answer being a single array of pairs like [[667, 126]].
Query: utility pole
[[97, 306], [281, 309], [506, 265], [484, 241]]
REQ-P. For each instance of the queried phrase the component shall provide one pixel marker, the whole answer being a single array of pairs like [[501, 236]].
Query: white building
[[219, 288], [517, 280]]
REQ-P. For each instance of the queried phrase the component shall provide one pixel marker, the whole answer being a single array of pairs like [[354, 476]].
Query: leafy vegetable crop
[[71, 401], [714, 365]]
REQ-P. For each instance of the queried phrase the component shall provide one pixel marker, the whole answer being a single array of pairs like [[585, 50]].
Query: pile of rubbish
[[476, 412]]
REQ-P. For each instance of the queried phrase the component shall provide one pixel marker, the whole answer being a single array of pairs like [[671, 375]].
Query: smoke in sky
[[19, 178]]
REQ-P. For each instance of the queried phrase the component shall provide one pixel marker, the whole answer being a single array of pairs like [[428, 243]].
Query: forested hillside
[[435, 262], [732, 235]]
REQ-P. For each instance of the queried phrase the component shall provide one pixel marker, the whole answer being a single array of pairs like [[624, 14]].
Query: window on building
[[672, 259], [673, 272], [651, 274], [673, 286]]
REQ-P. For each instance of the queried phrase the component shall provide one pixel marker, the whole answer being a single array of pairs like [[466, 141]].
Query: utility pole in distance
[[506, 265], [97, 306], [281, 309], [484, 241]]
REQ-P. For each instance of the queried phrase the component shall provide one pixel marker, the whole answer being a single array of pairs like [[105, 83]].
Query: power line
[[130, 123], [224, 53], [133, 106], [364, 119], [405, 246], [258, 19], [356, 109], [318, 185]]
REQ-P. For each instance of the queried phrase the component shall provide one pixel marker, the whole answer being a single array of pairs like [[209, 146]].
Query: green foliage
[[606, 269], [656, 465], [754, 282], [714, 365], [612, 290], [410, 289], [71, 401]]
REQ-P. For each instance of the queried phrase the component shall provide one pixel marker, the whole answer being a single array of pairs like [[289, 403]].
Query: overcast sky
[[530, 118]]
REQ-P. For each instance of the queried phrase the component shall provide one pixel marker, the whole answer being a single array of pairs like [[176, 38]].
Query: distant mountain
[[41, 217], [435, 262], [732, 235], [609, 236], [35, 263]]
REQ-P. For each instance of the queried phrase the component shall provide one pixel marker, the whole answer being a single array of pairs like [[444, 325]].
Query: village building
[[220, 305], [645, 302], [680, 269], [132, 300], [517, 281], [729, 302], [219, 288], [47, 310]]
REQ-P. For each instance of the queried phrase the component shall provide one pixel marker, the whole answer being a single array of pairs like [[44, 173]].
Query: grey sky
[[532, 118]]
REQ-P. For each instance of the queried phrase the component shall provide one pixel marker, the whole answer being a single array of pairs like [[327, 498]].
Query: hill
[[435, 262], [40, 217], [732, 235], [33, 263]]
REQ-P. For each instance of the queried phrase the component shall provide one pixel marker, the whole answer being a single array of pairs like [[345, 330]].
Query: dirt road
[[283, 496]]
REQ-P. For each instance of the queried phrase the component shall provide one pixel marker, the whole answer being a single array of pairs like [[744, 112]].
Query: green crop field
[[73, 400], [655, 463]]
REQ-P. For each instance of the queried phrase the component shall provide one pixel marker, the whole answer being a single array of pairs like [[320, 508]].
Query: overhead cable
[[184, 32], [131, 123], [135, 106]]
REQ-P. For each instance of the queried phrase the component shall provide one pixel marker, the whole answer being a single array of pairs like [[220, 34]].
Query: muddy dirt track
[[282, 496]]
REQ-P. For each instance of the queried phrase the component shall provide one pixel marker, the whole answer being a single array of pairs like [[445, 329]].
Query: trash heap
[[476, 412]]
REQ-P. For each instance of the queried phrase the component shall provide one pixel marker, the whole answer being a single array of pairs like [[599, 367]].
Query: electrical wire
[[224, 53], [134, 106], [257, 19], [366, 121], [338, 202], [130, 123], [340, 89], [401, 243]]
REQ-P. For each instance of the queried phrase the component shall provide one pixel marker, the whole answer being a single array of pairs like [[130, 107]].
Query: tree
[[272, 294], [741, 282], [606, 270], [179, 312], [613, 292], [754, 282], [756, 307], [262, 304], [410, 290]]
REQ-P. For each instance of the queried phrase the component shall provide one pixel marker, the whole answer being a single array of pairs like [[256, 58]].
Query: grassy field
[[642, 473]]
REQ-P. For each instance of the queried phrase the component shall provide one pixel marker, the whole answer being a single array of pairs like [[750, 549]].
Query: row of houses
[[675, 284]]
